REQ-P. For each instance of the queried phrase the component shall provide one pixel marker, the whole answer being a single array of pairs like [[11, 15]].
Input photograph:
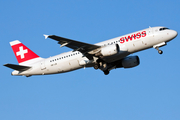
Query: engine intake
[[128, 62], [131, 61]]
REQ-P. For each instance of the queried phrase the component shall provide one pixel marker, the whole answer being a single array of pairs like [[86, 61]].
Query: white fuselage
[[128, 44]]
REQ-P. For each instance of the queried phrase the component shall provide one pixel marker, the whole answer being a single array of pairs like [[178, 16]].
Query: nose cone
[[174, 33]]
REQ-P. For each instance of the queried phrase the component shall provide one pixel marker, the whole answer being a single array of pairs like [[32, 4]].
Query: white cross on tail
[[21, 52]]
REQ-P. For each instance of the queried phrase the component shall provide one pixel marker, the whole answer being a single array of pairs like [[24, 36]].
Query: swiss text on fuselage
[[133, 37]]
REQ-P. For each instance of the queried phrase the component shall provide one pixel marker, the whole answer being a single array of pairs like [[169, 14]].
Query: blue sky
[[148, 91]]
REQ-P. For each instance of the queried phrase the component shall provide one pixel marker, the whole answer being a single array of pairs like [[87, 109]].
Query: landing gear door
[[43, 65]]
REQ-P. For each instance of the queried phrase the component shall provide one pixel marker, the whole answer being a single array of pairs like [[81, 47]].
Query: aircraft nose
[[174, 33]]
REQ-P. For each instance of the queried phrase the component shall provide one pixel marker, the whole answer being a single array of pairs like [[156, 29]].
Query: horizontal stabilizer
[[17, 67]]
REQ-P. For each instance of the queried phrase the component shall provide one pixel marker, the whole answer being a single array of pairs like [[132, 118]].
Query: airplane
[[106, 55]]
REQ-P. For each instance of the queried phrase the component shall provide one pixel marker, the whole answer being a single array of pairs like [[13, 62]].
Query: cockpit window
[[163, 29]]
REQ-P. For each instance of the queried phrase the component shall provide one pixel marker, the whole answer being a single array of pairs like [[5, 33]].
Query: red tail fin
[[21, 52]]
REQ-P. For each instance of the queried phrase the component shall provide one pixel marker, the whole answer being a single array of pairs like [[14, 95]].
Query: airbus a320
[[106, 55]]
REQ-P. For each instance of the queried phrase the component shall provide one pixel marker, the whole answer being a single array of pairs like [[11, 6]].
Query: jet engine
[[128, 62], [108, 50]]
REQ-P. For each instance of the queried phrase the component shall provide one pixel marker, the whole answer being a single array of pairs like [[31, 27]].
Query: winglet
[[46, 36]]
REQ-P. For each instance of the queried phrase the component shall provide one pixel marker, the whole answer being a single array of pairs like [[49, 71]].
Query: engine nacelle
[[109, 50], [131, 61]]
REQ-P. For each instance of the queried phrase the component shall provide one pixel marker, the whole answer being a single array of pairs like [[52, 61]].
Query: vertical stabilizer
[[23, 54]]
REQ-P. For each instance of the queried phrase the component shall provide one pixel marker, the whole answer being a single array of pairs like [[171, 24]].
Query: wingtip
[[46, 36], [5, 64]]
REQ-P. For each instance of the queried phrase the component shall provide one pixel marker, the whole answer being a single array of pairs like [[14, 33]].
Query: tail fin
[[23, 54]]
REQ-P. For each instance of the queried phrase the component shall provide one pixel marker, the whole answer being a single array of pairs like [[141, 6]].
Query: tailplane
[[17, 67]]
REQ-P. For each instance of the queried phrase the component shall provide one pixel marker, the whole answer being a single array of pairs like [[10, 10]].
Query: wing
[[75, 45]]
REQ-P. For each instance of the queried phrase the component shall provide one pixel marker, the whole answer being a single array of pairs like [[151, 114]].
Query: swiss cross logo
[[21, 52]]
